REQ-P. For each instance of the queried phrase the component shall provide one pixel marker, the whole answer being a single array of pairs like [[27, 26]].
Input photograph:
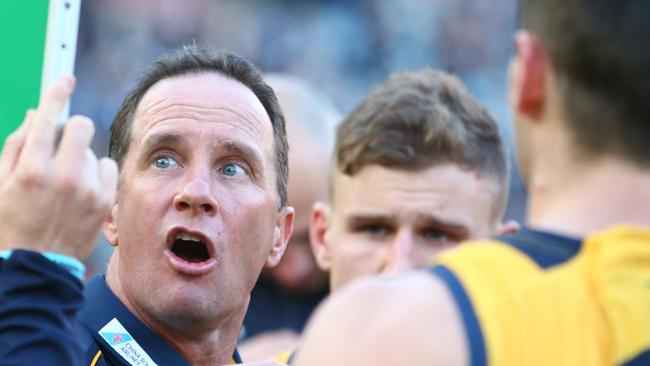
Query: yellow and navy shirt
[[285, 357], [535, 298]]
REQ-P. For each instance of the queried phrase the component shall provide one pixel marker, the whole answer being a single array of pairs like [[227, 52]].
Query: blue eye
[[375, 230], [437, 235], [233, 170], [164, 162]]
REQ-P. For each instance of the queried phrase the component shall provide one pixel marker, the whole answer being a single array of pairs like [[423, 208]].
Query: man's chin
[[188, 310]]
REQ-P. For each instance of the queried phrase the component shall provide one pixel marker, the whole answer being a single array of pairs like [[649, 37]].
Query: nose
[[196, 197], [399, 254]]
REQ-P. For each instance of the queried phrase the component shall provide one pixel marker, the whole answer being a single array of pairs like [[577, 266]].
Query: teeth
[[188, 237]]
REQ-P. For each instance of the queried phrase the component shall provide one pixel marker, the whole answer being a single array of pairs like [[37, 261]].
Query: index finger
[[39, 143]]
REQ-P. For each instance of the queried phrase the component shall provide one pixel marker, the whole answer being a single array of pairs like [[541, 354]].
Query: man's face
[[197, 212], [386, 221]]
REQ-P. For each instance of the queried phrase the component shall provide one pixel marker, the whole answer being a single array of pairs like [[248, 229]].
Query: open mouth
[[190, 248]]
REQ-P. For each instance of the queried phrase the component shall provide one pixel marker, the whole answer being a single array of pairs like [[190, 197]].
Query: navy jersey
[[44, 320], [39, 301], [119, 335], [272, 308]]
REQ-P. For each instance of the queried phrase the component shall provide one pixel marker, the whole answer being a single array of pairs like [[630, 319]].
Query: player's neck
[[210, 351], [576, 200], [208, 348]]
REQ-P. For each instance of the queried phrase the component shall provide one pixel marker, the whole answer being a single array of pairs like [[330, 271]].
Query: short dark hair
[[195, 60], [599, 50], [416, 120]]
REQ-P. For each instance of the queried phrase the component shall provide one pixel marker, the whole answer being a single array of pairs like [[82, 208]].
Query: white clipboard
[[60, 44]]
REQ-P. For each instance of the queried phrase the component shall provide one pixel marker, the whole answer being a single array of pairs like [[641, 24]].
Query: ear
[[508, 227], [527, 76], [110, 227], [318, 226], [281, 236]]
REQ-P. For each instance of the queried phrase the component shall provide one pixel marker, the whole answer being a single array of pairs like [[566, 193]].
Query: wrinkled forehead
[[208, 96], [462, 196]]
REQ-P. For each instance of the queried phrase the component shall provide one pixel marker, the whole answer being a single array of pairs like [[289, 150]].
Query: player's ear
[[527, 76], [508, 227], [281, 236], [110, 227], [318, 226]]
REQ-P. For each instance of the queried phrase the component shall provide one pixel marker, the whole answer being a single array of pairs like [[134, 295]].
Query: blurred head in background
[[585, 70], [310, 121]]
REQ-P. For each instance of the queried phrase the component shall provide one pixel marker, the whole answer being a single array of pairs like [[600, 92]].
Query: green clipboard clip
[[37, 46]]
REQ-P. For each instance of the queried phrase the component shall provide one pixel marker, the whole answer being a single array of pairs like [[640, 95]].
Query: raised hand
[[54, 199]]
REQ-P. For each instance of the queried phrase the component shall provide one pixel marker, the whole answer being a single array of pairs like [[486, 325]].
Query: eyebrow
[[458, 228], [167, 138], [422, 220], [164, 138], [362, 218], [238, 149]]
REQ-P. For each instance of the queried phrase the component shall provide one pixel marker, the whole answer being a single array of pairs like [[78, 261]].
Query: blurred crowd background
[[341, 47]]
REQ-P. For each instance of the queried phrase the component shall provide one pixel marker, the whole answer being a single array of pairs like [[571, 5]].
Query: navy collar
[[545, 248], [102, 306]]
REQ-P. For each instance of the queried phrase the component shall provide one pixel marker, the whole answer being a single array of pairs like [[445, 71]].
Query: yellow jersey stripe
[[96, 358]]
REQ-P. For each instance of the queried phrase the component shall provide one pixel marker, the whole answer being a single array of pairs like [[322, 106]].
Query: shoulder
[[402, 320]]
